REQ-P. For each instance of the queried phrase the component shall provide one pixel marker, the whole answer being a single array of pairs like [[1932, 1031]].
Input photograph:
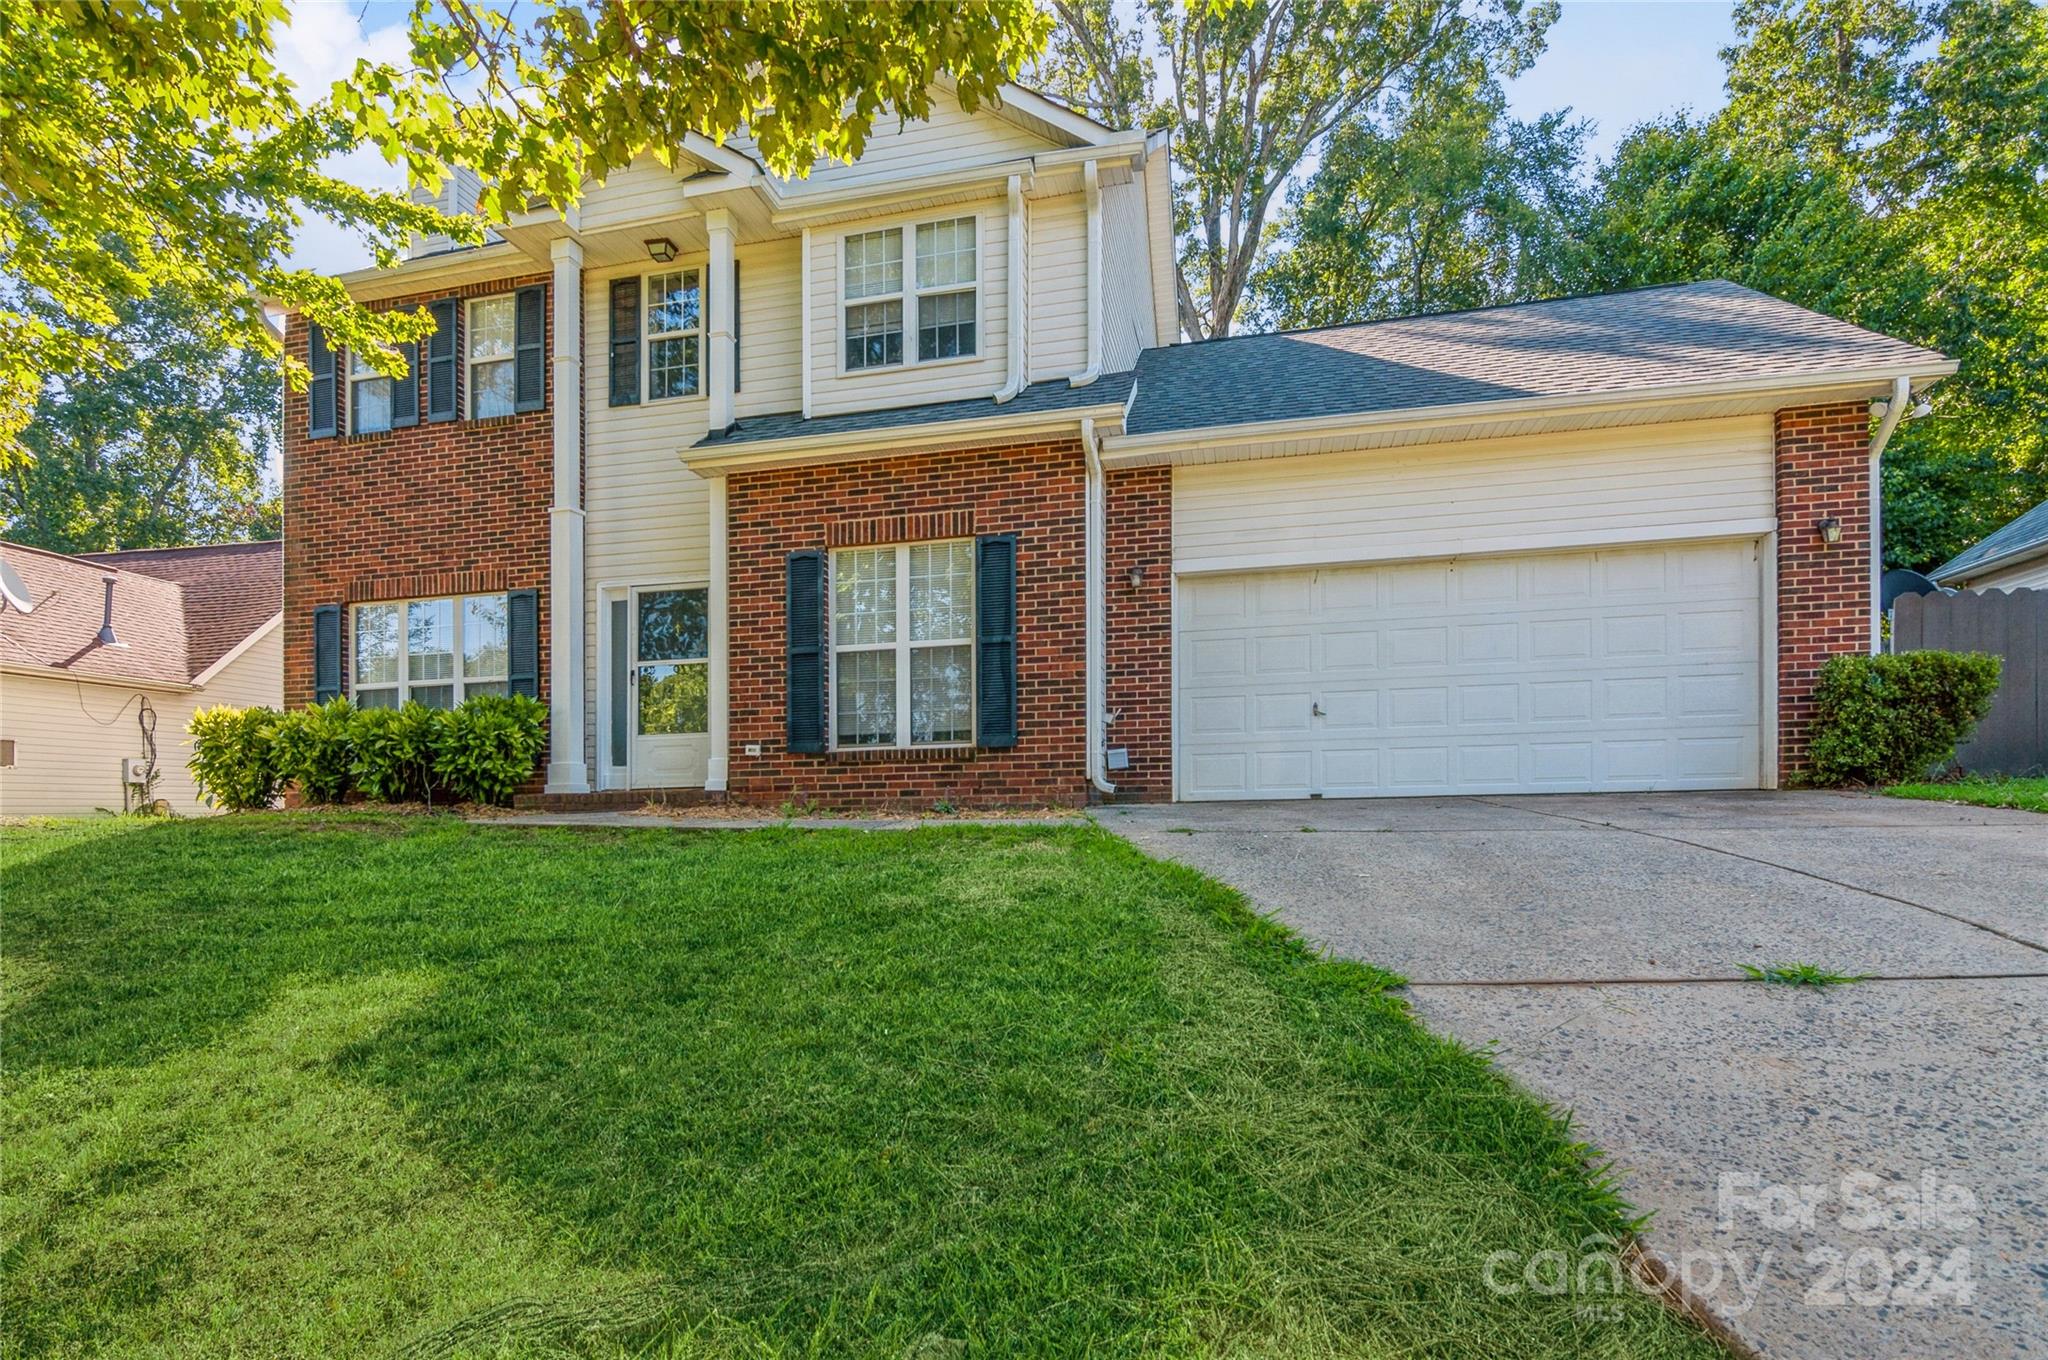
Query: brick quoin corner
[[442, 508], [1031, 489], [1823, 462]]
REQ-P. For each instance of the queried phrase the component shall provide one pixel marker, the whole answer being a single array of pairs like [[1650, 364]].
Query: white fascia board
[[796, 450], [2010, 558], [1139, 448], [275, 622], [450, 268]]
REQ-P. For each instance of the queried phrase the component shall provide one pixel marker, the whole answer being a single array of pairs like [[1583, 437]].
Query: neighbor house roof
[[1680, 335], [2024, 538], [1043, 398], [176, 612]]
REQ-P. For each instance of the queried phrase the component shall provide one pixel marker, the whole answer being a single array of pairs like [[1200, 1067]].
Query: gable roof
[[177, 611], [1672, 336], [2023, 538]]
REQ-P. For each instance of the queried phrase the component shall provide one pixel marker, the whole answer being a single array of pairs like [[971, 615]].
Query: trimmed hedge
[[480, 751], [1892, 718]]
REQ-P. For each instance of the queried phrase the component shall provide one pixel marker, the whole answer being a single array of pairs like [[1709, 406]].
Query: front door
[[668, 692]]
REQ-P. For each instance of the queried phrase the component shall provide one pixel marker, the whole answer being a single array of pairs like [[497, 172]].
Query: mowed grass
[[2030, 795], [291, 1085]]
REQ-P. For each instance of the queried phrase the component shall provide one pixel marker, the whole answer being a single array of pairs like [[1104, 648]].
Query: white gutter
[[110, 681], [1013, 339], [1091, 184], [1095, 623], [1894, 412]]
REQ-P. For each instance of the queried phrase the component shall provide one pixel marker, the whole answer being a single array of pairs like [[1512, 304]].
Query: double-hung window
[[903, 645], [675, 333], [933, 293], [369, 397], [438, 652], [493, 336]]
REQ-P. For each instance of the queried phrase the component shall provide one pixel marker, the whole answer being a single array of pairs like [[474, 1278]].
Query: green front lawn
[[2028, 794], [291, 1085]]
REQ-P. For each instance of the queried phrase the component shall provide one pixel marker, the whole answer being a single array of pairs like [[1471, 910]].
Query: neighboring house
[[116, 653], [889, 485], [2012, 558]]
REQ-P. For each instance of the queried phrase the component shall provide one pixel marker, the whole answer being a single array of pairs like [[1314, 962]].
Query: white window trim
[[404, 684], [910, 295], [902, 647], [648, 335], [467, 406], [371, 376]]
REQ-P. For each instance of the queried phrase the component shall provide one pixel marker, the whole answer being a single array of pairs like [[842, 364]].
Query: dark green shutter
[[529, 351], [621, 691], [804, 610], [625, 341], [405, 395], [443, 401], [995, 640], [522, 642], [321, 393], [326, 653]]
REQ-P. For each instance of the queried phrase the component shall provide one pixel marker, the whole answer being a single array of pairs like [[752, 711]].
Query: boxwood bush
[[1888, 719], [480, 752]]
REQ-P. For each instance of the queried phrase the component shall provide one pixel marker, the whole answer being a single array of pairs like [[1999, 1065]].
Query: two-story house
[[890, 484]]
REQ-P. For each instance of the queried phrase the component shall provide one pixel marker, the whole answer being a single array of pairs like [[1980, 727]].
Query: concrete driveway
[[1857, 1171]]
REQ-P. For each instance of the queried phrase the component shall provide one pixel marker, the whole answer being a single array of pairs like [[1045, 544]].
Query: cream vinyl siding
[[771, 327], [1057, 333], [2025, 576], [641, 192], [70, 738], [1126, 276], [950, 137], [909, 383], [1693, 479], [1159, 222]]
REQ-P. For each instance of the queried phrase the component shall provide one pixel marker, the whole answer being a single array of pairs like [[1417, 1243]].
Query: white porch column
[[718, 332], [715, 605], [568, 771]]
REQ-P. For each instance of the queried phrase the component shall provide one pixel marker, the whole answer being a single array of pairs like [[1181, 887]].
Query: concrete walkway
[[1859, 1171]]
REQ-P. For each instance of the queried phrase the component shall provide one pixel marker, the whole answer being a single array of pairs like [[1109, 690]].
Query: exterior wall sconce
[[661, 250], [1830, 530], [1137, 576]]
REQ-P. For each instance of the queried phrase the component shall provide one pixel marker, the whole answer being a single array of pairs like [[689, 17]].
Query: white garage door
[[1634, 668]]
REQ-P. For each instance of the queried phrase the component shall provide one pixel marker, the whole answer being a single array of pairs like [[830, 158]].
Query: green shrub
[[489, 745], [232, 760], [1888, 719], [394, 752], [314, 749]]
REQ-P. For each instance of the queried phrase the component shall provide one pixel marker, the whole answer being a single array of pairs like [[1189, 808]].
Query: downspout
[[1094, 623], [1014, 337], [1091, 183], [1894, 412]]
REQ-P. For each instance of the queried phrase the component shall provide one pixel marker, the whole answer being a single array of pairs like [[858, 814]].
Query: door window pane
[[864, 597], [377, 644], [671, 625], [673, 699], [483, 642], [941, 693], [941, 591], [865, 702]]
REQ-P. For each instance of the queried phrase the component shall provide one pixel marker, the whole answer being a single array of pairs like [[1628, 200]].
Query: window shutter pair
[[323, 393], [625, 341], [529, 349], [326, 653], [522, 642], [995, 652]]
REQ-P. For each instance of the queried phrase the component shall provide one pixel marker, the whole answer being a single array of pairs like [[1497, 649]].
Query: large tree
[[1252, 91], [168, 447], [150, 144]]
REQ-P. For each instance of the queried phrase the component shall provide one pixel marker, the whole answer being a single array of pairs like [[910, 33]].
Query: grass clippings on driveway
[[332, 1085], [2029, 795]]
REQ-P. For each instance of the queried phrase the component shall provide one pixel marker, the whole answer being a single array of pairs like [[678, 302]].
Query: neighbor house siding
[[1823, 472], [1691, 479], [2026, 576]]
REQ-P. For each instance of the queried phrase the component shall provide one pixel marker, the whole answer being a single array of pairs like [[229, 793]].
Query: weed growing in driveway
[[1800, 974]]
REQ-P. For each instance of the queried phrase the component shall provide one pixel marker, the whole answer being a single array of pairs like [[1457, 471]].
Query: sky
[[1615, 62]]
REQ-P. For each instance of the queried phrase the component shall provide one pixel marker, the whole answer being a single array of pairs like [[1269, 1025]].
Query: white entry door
[[668, 692], [1620, 669]]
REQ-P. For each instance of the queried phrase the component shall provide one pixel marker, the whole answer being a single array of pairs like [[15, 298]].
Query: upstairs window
[[369, 397], [675, 333], [493, 338], [874, 296], [934, 293], [945, 289]]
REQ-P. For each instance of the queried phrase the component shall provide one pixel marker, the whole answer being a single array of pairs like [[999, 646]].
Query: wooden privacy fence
[[2013, 738]]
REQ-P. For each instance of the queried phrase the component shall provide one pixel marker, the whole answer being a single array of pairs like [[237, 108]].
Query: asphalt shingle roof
[[2027, 533], [1038, 398], [231, 589], [1614, 342]]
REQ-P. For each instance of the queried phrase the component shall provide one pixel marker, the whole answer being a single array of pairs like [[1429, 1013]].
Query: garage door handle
[[1315, 710]]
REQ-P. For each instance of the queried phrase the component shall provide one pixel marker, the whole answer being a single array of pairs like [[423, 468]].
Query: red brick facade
[[1138, 629], [437, 509], [1823, 588]]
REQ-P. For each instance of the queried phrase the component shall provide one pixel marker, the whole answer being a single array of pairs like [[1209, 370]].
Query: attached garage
[[1611, 669]]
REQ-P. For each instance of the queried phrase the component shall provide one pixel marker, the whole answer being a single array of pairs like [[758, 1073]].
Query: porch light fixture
[[1137, 576], [660, 249], [1830, 530]]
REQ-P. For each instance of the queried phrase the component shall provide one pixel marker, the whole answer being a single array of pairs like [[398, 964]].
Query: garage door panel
[[1619, 669]]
